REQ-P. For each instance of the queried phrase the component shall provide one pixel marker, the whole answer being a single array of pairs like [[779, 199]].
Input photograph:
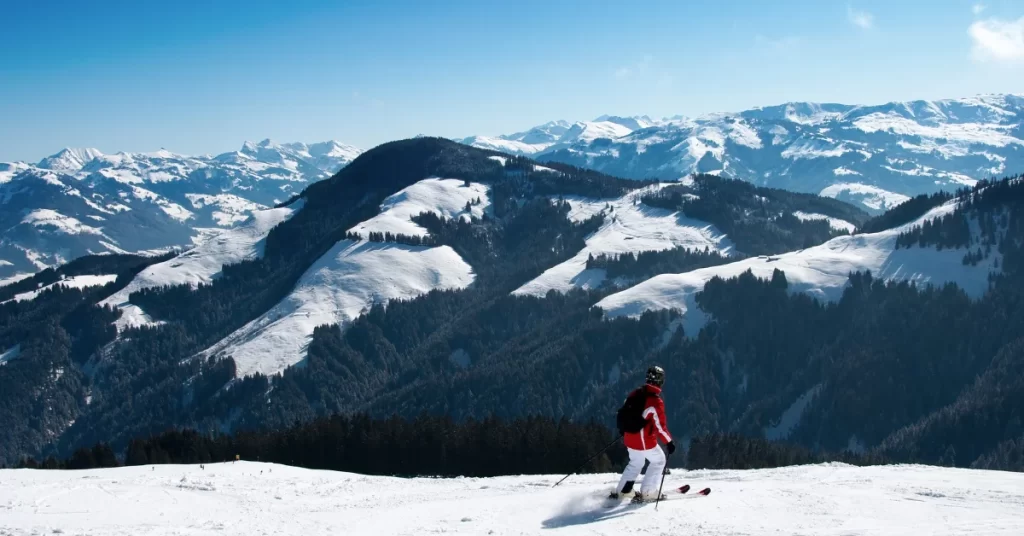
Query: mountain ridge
[[876, 155], [146, 201]]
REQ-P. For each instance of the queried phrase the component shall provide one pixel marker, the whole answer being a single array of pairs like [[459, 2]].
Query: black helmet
[[656, 376]]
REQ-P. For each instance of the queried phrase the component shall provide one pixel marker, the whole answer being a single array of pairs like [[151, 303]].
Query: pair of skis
[[682, 492], [702, 493]]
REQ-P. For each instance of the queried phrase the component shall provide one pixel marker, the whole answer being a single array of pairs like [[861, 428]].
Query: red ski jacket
[[657, 426]]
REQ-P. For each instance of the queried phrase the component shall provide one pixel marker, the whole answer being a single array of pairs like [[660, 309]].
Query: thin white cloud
[[860, 19], [998, 40], [978, 8]]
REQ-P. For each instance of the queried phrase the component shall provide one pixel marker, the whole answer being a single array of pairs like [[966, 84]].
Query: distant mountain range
[[81, 201], [874, 156]]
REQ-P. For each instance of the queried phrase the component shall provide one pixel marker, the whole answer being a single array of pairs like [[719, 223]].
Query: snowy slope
[[80, 201], [258, 498], [202, 263], [822, 271], [892, 150], [336, 289], [835, 223], [70, 159], [230, 209], [354, 275], [629, 227], [872, 197], [10, 354], [77, 281], [444, 197]]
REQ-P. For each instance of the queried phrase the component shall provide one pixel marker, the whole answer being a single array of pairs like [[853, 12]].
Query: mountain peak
[[70, 159]]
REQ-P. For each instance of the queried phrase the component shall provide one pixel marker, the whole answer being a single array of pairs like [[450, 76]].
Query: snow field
[[445, 197], [870, 196], [822, 271], [10, 354], [354, 275], [45, 217], [339, 287], [629, 227], [835, 223], [259, 498], [202, 263], [78, 281]]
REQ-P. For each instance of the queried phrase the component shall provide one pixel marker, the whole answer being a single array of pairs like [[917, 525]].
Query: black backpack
[[630, 418]]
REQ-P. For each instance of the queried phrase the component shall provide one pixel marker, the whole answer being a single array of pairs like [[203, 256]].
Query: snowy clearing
[[445, 197], [45, 217], [835, 223], [78, 281], [822, 271], [231, 209], [629, 227], [10, 354], [14, 278], [259, 498], [202, 263], [336, 289], [992, 134], [870, 196], [506, 146]]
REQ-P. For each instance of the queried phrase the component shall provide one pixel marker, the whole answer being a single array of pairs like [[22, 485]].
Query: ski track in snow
[[259, 498], [343, 283], [629, 227], [202, 263], [821, 271]]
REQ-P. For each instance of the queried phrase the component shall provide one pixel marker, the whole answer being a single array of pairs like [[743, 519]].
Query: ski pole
[[590, 459], [658, 500]]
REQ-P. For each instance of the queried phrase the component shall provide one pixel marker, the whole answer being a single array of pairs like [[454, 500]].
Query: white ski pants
[[652, 479]]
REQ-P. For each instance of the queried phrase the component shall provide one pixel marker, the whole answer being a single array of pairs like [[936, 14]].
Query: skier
[[641, 422]]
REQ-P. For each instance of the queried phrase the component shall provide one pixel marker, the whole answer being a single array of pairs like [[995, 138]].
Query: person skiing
[[642, 422]]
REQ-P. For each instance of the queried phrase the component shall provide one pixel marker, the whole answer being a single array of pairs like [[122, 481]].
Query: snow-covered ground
[[872, 197], [78, 281], [835, 223], [248, 498], [13, 278], [231, 209], [629, 227], [822, 271], [445, 197], [354, 275], [10, 354], [339, 287], [202, 263]]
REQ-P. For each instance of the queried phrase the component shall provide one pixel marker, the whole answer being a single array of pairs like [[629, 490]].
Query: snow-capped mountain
[[81, 201], [872, 155]]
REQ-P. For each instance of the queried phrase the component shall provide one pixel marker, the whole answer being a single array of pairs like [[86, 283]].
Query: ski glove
[[671, 447]]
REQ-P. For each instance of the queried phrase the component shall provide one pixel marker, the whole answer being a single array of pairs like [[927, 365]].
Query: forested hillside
[[771, 361]]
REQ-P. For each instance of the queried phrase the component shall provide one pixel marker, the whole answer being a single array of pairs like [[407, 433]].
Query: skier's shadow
[[569, 518]]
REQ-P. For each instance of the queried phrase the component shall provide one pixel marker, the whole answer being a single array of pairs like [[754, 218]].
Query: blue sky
[[202, 77]]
